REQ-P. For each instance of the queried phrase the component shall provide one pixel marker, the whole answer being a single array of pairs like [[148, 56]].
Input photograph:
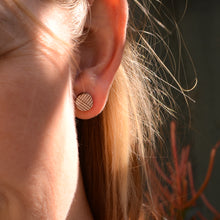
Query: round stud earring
[[84, 102]]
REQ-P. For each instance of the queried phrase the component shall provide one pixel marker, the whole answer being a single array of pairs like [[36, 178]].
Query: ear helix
[[84, 102]]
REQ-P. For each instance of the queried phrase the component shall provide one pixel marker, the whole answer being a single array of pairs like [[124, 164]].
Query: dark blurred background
[[198, 125], [201, 31]]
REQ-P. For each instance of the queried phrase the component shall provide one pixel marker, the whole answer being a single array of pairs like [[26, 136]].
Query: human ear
[[101, 53]]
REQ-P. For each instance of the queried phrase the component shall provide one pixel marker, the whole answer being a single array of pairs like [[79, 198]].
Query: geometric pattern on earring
[[84, 102]]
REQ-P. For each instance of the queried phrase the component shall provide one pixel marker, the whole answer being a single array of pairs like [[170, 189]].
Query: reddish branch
[[175, 157], [210, 207], [208, 175], [172, 200]]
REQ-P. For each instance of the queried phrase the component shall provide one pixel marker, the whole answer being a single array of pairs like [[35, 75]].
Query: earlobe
[[101, 53]]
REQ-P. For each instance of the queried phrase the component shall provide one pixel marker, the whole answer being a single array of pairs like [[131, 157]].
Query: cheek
[[37, 129], [34, 64], [34, 88], [36, 110], [35, 74]]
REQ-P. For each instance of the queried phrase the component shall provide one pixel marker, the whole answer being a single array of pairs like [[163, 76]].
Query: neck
[[80, 208]]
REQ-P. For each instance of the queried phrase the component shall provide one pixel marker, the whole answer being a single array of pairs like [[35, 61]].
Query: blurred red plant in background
[[175, 195]]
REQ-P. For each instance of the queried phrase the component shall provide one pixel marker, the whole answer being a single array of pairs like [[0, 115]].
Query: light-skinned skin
[[40, 174]]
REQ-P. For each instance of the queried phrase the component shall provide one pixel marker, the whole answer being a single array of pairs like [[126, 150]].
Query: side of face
[[39, 155], [39, 162]]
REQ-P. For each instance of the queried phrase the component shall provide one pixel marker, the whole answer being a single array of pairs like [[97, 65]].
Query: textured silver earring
[[84, 102]]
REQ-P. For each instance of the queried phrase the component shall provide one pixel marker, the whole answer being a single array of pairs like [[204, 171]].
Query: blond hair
[[116, 146], [113, 146]]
